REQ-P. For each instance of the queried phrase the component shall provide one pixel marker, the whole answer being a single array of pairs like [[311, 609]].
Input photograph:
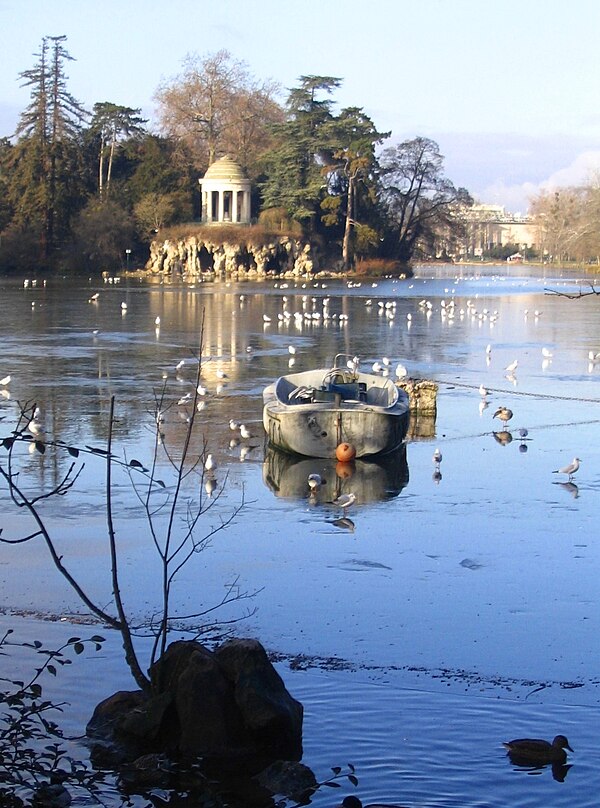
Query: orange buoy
[[345, 452], [344, 470]]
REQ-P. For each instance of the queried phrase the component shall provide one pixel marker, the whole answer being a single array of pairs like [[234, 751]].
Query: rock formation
[[194, 256], [228, 707]]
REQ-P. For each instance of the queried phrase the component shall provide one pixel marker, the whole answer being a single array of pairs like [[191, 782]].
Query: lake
[[448, 612]]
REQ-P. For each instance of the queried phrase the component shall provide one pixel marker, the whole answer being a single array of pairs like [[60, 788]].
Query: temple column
[[234, 206]]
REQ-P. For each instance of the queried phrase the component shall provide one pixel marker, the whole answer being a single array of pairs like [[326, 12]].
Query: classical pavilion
[[225, 193]]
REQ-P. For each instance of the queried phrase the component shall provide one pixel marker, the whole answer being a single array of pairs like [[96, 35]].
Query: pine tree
[[44, 163]]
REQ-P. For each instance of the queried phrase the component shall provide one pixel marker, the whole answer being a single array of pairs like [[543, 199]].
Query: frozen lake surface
[[451, 612]]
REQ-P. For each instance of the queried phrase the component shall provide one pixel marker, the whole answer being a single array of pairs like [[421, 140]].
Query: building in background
[[488, 228]]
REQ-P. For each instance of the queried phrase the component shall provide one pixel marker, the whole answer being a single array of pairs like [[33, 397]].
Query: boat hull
[[317, 429]]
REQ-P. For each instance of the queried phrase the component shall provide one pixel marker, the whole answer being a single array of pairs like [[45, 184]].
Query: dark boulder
[[227, 707]]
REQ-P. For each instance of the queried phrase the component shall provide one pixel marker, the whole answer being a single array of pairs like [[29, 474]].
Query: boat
[[316, 412]]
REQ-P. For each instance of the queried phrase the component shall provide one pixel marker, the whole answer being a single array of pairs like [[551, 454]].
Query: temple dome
[[225, 169]]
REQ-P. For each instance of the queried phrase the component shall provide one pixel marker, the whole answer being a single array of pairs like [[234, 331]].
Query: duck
[[535, 751], [354, 802]]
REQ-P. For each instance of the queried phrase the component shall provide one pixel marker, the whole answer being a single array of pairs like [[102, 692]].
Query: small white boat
[[313, 412]]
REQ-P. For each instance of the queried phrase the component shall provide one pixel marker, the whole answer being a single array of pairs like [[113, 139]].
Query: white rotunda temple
[[225, 193]]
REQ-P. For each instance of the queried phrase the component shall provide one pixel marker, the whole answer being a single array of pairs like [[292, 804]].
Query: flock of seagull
[[314, 310], [505, 414]]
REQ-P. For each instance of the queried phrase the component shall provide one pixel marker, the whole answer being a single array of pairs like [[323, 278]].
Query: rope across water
[[499, 391]]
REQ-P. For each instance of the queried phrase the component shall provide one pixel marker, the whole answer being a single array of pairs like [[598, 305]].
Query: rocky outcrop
[[228, 706], [194, 256], [422, 396]]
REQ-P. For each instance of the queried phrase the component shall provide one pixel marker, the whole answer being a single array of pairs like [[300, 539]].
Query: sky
[[509, 90]]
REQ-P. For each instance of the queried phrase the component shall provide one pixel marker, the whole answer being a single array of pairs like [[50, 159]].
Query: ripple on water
[[421, 748]]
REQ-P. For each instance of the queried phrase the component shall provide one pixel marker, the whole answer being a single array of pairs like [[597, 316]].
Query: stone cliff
[[196, 255]]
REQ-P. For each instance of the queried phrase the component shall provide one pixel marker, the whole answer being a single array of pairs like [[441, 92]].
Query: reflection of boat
[[313, 412], [371, 480]]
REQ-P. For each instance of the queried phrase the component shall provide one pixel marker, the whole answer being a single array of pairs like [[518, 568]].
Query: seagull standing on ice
[[512, 367], [314, 481], [504, 414], [437, 457], [570, 469], [344, 500]]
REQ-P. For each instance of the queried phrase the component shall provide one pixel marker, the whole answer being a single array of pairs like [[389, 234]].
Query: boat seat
[[378, 397], [347, 390], [326, 396]]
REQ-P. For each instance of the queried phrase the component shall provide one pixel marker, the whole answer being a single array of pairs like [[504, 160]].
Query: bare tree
[[173, 514], [216, 107]]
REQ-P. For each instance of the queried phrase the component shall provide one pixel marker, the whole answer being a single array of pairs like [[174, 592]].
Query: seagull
[[344, 500], [570, 469], [34, 427], [401, 371], [314, 481], [245, 432], [157, 320], [210, 463], [504, 414], [546, 353], [291, 349], [124, 306], [5, 381], [512, 367], [483, 391], [234, 425], [437, 457]]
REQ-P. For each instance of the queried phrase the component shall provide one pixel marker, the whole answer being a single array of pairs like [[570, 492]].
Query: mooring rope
[[499, 391]]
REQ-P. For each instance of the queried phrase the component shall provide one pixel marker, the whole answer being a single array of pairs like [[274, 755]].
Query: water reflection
[[287, 476]]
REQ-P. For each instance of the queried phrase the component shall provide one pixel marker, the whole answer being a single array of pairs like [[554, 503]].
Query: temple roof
[[225, 169]]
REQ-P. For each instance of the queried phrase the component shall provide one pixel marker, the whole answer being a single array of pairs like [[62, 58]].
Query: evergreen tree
[[111, 124], [351, 173], [45, 162], [294, 172]]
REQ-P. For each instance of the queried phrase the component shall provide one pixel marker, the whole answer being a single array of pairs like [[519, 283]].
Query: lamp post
[[127, 253]]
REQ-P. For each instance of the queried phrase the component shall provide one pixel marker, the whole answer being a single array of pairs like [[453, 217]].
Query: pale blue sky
[[508, 89]]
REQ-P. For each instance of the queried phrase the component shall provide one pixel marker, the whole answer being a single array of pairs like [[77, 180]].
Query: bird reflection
[[437, 476], [344, 523], [503, 438], [571, 488]]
